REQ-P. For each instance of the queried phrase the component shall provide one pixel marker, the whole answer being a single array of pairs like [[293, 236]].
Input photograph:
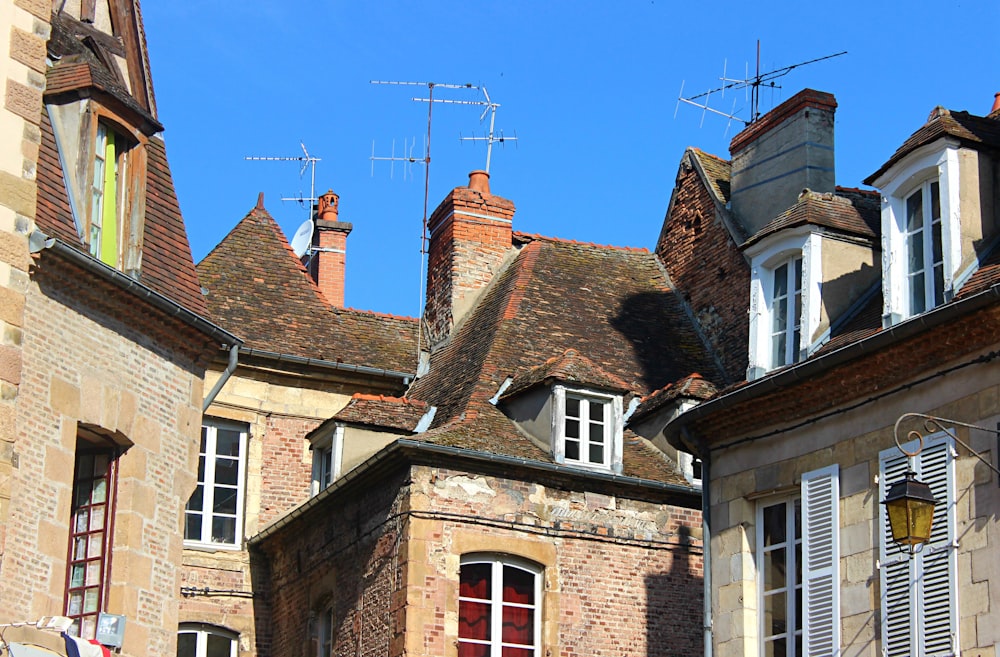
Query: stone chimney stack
[[470, 232], [785, 151], [329, 249]]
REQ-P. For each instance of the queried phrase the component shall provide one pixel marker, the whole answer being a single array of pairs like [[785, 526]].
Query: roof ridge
[[562, 240], [707, 154], [856, 190], [360, 396], [376, 313]]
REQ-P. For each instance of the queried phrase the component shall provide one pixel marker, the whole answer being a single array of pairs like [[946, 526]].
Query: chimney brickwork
[[470, 234], [787, 150], [329, 250]]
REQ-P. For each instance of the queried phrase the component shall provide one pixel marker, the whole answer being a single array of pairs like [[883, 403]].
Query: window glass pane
[[224, 530], [475, 580], [97, 518], [94, 545], [597, 433], [227, 471], [774, 524], [518, 626], [915, 253], [781, 281], [935, 200], [192, 527], [196, 503], [597, 411], [572, 428], [201, 468], [100, 494], [218, 646], [775, 648], [915, 211], [917, 300], [597, 453], [774, 569], [573, 450], [82, 520], [227, 442], [474, 620], [518, 585], [779, 313], [517, 652], [775, 613], [90, 601], [225, 501], [187, 643], [797, 516], [76, 576], [473, 649], [572, 407]]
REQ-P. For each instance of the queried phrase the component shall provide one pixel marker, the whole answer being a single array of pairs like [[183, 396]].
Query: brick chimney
[[470, 231], [785, 151], [329, 249]]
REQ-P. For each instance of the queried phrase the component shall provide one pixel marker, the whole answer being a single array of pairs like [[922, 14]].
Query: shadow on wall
[[674, 610]]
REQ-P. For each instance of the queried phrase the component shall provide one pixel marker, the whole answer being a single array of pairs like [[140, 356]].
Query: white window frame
[[497, 563], [817, 546], [202, 631], [687, 463], [937, 161], [612, 421], [765, 258], [327, 459], [210, 428], [919, 593]]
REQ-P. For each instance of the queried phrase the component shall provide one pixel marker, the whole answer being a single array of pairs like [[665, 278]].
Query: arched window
[[204, 640], [499, 607]]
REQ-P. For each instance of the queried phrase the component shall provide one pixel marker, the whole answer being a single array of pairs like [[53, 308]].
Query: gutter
[[39, 241], [815, 366], [404, 445], [326, 364]]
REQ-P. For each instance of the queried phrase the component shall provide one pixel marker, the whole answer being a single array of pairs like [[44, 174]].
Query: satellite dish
[[303, 238]]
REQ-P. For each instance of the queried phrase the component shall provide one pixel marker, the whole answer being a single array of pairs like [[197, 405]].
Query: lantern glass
[[910, 507]]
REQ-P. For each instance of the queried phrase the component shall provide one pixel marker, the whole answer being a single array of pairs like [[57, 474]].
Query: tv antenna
[[489, 107], [302, 240], [750, 85]]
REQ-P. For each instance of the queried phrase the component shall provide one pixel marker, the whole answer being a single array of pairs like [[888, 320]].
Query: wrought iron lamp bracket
[[933, 424]]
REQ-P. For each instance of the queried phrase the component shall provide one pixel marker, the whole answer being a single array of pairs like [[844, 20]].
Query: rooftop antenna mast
[[751, 84], [431, 86], [302, 241], [489, 107]]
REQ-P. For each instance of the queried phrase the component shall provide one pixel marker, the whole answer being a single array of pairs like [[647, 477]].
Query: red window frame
[[88, 560]]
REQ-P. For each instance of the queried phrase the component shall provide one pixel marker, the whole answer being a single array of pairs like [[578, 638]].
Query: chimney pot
[[479, 181], [996, 102], [328, 208], [260, 201]]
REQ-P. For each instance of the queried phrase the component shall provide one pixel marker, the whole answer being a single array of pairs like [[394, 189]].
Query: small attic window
[[587, 428]]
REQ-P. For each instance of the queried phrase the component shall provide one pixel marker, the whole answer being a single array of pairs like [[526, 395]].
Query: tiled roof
[[967, 128], [569, 367], [167, 266], [717, 171], [828, 210], [259, 290], [380, 411], [77, 69], [562, 309], [691, 387]]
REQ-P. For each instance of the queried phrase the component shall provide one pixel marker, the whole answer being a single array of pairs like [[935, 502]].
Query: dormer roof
[[569, 367], [400, 413], [855, 214], [257, 285], [968, 129]]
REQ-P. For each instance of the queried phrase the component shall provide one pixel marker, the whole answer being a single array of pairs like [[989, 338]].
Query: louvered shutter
[[919, 595], [821, 562]]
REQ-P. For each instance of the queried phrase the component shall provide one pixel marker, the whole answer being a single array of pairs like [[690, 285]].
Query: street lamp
[[910, 506], [910, 503]]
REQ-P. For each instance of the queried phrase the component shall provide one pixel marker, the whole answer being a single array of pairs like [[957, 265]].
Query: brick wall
[[89, 358], [621, 576], [470, 233], [286, 466], [707, 269], [22, 40]]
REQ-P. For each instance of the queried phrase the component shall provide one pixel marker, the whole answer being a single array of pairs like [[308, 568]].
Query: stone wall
[[95, 356], [621, 576]]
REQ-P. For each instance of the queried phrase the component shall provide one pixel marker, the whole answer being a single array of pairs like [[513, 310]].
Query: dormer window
[[327, 450], [920, 231], [782, 310], [786, 312], [924, 251], [587, 428], [107, 194]]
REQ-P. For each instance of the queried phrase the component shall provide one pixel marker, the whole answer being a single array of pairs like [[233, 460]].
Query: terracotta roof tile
[[259, 290], [380, 411], [969, 129], [611, 307], [690, 387], [569, 367], [828, 210], [717, 171]]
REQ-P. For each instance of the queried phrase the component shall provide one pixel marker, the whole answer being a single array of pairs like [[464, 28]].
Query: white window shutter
[[919, 599], [821, 562]]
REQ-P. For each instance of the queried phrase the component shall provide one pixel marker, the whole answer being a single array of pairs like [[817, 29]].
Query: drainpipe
[[234, 356]]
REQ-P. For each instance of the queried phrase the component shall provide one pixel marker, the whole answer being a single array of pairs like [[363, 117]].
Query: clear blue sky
[[589, 88]]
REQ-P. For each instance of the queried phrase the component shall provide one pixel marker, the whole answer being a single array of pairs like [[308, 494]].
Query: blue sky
[[589, 88]]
